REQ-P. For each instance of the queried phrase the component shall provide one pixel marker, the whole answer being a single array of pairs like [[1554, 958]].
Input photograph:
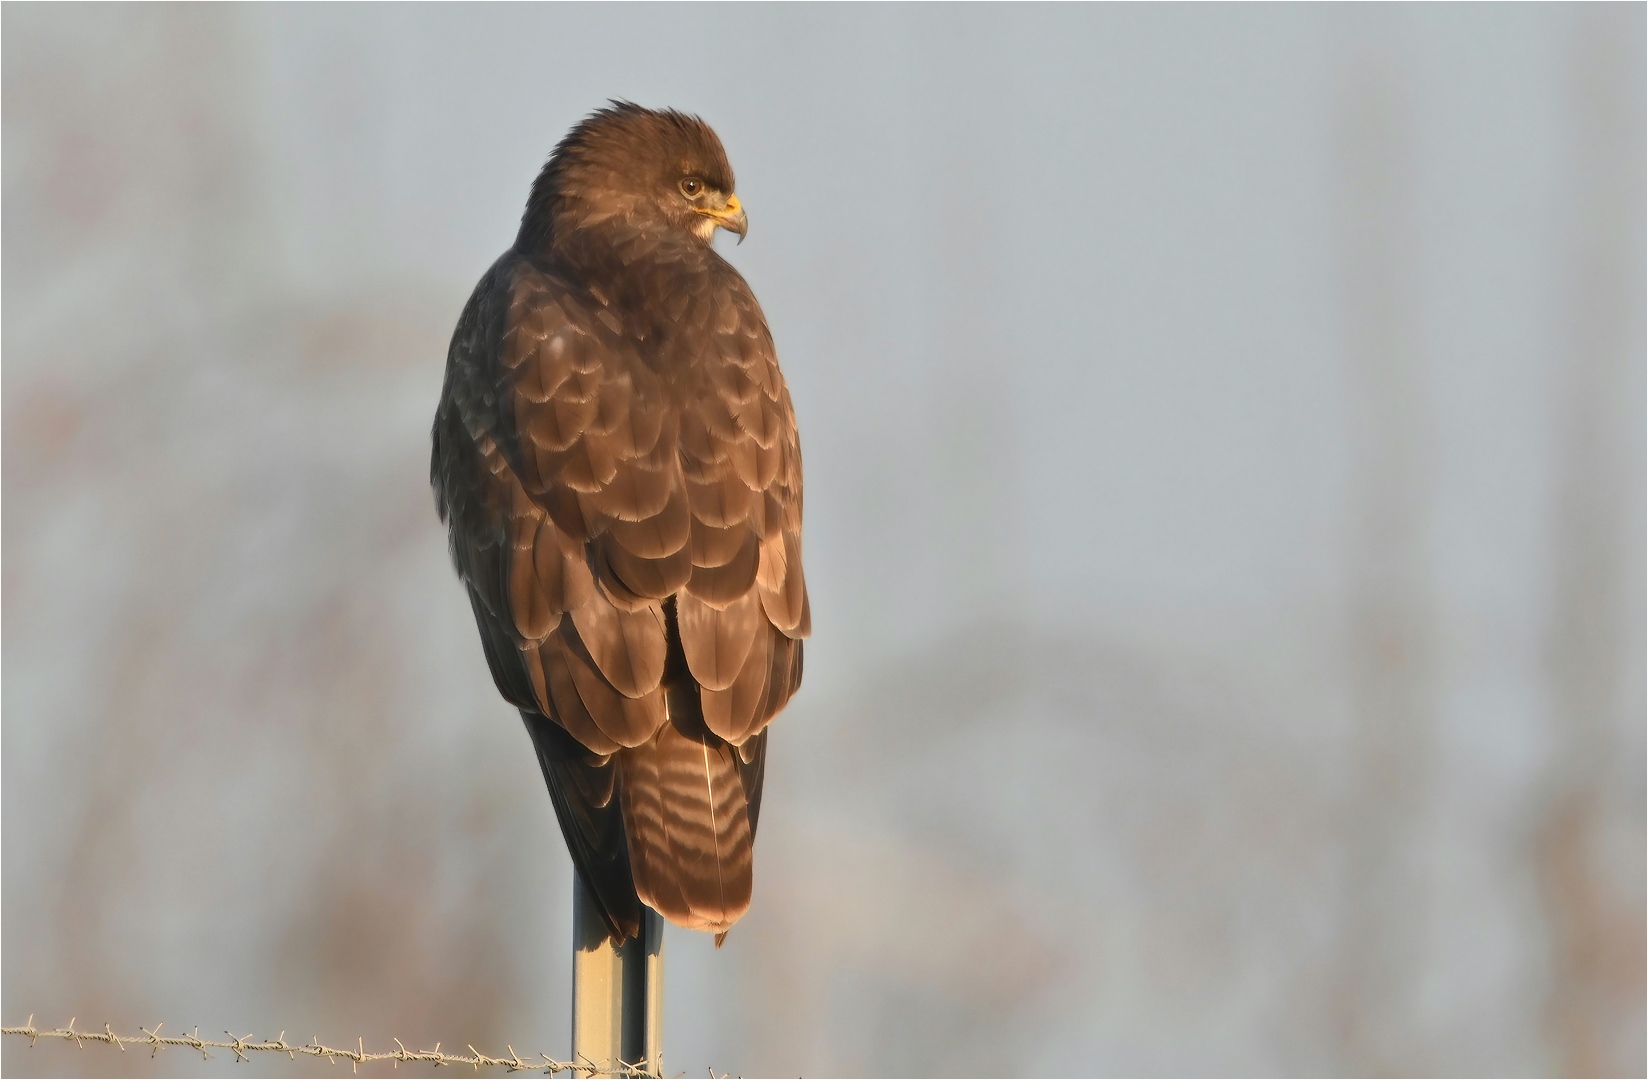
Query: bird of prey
[[616, 459]]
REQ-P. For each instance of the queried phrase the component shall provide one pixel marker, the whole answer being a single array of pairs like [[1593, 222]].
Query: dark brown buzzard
[[616, 458]]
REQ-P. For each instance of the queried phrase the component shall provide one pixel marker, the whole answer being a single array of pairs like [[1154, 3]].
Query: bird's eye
[[691, 186]]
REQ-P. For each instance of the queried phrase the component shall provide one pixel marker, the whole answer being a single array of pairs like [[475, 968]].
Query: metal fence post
[[617, 991]]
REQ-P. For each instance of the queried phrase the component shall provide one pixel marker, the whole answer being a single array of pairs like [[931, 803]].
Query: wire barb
[[244, 1046]]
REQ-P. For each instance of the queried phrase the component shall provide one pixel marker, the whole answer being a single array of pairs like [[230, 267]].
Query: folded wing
[[631, 544]]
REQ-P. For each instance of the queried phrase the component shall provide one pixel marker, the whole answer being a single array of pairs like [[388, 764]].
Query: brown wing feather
[[720, 585], [717, 641], [627, 646], [779, 580], [733, 712], [659, 536], [565, 704], [627, 721], [741, 462], [582, 786], [641, 577]]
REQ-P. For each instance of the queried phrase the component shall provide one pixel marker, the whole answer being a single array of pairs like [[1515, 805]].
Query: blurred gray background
[[1224, 438]]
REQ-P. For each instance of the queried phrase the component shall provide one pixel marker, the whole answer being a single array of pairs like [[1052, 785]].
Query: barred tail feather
[[688, 818]]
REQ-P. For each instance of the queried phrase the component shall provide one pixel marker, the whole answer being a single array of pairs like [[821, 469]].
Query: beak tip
[[732, 219]]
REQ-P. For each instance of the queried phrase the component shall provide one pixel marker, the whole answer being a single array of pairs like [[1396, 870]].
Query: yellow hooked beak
[[730, 217]]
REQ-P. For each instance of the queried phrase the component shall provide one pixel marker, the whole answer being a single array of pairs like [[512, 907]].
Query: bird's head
[[650, 169]]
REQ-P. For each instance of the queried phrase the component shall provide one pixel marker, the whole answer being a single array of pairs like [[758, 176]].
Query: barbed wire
[[243, 1046]]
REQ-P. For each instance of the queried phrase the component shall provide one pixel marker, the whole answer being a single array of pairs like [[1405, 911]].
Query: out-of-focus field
[[1224, 436]]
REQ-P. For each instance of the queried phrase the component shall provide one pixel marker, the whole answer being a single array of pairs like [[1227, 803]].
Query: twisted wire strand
[[243, 1046]]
